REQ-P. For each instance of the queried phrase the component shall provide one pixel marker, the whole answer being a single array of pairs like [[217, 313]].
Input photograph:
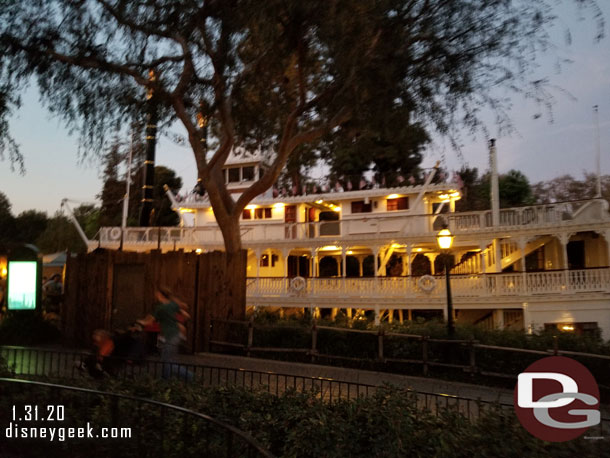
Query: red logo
[[557, 399]]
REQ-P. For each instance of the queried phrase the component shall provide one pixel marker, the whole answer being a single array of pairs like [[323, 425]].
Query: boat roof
[[193, 201]]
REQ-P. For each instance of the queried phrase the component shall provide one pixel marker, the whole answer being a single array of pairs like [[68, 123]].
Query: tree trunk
[[233, 303]]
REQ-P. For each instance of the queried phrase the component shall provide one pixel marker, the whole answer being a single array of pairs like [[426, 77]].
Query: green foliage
[[381, 75], [30, 225], [60, 235], [514, 187], [566, 188], [300, 425]]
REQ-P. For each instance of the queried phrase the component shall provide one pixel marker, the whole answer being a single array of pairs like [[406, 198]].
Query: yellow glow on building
[[418, 250], [393, 196], [251, 207], [320, 201], [278, 205], [198, 251], [329, 248], [350, 252], [187, 210], [567, 327]]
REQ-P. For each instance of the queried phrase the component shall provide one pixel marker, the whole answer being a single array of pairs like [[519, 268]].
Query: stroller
[[110, 352]]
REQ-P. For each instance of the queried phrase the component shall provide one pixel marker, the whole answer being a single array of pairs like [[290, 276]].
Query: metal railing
[[30, 362], [116, 424], [65, 364]]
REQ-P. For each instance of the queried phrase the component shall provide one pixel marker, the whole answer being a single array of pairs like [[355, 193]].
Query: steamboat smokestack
[[149, 163]]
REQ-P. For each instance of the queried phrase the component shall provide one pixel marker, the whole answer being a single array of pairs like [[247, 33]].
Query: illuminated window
[[262, 213], [400, 203]]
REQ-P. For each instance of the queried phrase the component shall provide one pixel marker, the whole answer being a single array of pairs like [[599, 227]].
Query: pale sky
[[540, 149]]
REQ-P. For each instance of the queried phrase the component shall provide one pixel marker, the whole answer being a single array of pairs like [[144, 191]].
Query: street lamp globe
[[444, 239]]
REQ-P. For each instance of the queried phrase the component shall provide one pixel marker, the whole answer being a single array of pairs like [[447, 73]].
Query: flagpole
[[598, 190], [128, 182]]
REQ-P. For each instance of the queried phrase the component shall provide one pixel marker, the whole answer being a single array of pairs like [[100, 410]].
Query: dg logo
[[557, 399]]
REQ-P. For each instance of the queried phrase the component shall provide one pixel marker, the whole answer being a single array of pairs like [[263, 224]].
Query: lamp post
[[445, 240]]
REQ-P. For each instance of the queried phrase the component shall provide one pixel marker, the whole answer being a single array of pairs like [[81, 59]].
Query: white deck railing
[[364, 225], [462, 286]]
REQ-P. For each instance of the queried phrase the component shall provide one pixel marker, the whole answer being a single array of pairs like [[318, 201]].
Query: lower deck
[[572, 300]]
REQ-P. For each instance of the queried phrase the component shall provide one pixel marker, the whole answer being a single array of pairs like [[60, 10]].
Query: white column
[[564, 239], [495, 190], [360, 262], [432, 257], [258, 253], [285, 254], [343, 261], [409, 252], [606, 234], [376, 259], [498, 318], [498, 255], [522, 246]]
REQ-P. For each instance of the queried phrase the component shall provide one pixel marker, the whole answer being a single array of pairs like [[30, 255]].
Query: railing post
[[250, 335], [314, 341], [424, 346], [380, 343], [555, 346], [473, 363]]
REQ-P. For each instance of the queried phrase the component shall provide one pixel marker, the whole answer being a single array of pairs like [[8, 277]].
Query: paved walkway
[[352, 375]]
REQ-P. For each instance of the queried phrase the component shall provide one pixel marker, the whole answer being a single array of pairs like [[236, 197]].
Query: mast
[[495, 190], [598, 187], [127, 184], [149, 163]]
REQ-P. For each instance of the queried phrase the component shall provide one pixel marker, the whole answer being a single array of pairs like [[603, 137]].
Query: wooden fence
[[111, 289], [388, 349]]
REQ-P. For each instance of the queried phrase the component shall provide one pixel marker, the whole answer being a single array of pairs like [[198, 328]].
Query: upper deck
[[378, 216]]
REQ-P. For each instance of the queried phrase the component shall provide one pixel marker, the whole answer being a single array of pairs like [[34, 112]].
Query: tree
[[7, 222], [514, 189], [273, 75], [88, 216], [162, 215], [30, 224], [60, 235], [566, 187]]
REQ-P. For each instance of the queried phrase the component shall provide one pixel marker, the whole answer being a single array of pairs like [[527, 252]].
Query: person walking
[[167, 313]]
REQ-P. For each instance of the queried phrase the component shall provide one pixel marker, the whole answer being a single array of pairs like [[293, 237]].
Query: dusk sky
[[540, 149]]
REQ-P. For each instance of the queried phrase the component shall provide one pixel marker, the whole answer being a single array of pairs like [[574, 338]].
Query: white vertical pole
[[598, 190], [495, 190], [128, 182]]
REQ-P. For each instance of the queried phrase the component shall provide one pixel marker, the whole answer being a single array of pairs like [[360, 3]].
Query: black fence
[[464, 360], [45, 419], [27, 362]]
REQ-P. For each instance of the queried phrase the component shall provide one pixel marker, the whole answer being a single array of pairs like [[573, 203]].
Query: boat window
[[248, 173], [360, 207], [234, 175], [400, 203]]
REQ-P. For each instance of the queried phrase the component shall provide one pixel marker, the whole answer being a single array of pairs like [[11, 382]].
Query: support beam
[[384, 259]]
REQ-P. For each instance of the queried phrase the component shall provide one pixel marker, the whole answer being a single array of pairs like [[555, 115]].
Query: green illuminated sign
[[22, 285]]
